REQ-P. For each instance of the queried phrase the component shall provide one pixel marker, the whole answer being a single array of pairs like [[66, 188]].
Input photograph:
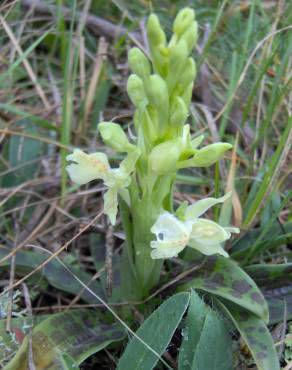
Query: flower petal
[[208, 249], [111, 204], [87, 167], [165, 250], [230, 230], [208, 232], [201, 206], [172, 236]]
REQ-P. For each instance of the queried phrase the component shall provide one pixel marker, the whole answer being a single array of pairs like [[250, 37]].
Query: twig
[[34, 137], [100, 58], [52, 256], [109, 244], [96, 276], [11, 280], [26, 64], [31, 365]]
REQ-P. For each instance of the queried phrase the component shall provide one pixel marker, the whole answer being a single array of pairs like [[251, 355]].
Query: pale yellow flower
[[88, 167]]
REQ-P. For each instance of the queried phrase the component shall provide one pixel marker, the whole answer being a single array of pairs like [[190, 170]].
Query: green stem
[[144, 215]]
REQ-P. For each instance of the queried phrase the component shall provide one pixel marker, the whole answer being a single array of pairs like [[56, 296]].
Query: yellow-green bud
[[189, 72], [187, 94], [114, 136], [135, 90], [178, 54], [178, 113], [157, 92], [191, 35], [163, 157], [139, 63], [149, 120], [177, 58], [207, 156], [183, 20], [156, 35]]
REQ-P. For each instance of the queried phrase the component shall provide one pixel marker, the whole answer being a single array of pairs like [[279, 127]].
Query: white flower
[[173, 235], [88, 167]]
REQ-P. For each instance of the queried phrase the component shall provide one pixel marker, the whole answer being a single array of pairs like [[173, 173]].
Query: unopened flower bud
[[187, 94], [189, 72], [178, 55], [177, 58], [114, 136], [139, 63], [207, 156], [156, 35], [183, 20], [157, 92], [163, 157], [149, 119], [179, 113], [135, 90], [191, 35]]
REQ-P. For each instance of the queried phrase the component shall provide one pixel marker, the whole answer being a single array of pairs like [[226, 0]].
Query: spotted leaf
[[256, 335], [66, 338], [224, 278]]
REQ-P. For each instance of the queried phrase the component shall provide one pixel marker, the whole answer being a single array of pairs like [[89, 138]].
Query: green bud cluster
[[161, 90], [161, 86]]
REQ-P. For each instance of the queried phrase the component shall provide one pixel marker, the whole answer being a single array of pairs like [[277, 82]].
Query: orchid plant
[[161, 89]]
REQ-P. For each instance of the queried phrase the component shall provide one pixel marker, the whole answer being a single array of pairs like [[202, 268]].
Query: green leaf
[[259, 245], [269, 172], [262, 246], [157, 331], [275, 283], [223, 277], [203, 326], [66, 339], [54, 273], [20, 151], [276, 235], [256, 335]]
